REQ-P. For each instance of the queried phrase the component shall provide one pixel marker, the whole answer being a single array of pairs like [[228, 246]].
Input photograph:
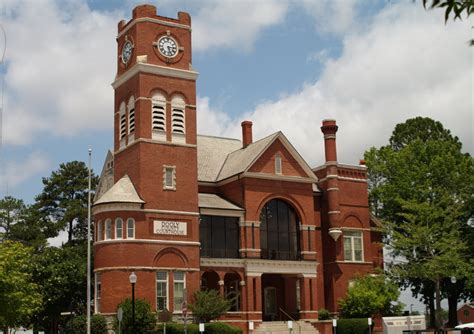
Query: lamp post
[[133, 280]]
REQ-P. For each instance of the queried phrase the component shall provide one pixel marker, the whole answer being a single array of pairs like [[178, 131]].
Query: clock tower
[[151, 212]]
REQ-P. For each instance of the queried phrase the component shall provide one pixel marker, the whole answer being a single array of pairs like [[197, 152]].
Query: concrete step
[[277, 327]]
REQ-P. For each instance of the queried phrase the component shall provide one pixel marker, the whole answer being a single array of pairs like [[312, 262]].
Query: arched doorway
[[210, 281], [279, 237]]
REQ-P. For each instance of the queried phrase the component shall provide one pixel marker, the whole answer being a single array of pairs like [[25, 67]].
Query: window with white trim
[[278, 164], [177, 115], [169, 177], [131, 115], [98, 288], [119, 228], [108, 229], [123, 121], [161, 290], [179, 286], [99, 235], [353, 250], [130, 228], [158, 116]]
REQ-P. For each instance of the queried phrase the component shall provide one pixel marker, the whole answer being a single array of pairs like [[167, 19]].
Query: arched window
[[118, 228], [279, 231], [131, 115], [123, 124], [108, 229], [177, 115], [232, 290], [158, 116], [130, 228], [99, 235]]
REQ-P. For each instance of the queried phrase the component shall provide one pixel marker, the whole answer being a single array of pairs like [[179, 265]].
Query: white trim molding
[[154, 69], [149, 241], [144, 268], [152, 20]]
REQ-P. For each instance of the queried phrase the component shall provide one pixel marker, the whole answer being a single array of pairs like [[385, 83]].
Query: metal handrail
[[292, 319]]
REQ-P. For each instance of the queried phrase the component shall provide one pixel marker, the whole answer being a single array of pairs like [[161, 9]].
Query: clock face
[[127, 50], [167, 46]]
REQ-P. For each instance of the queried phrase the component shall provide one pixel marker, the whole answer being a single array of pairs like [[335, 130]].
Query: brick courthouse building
[[247, 217]]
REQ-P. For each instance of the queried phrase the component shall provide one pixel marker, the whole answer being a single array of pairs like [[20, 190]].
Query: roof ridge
[[218, 137]]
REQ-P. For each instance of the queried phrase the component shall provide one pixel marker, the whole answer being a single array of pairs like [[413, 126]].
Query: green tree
[[12, 211], [145, 319], [20, 297], [63, 200], [61, 274], [208, 305], [371, 295], [421, 186]]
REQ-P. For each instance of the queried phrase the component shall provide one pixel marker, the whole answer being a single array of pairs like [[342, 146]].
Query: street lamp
[[133, 280]]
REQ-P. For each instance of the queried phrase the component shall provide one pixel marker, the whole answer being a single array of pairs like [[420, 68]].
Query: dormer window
[[278, 164], [131, 115], [158, 117]]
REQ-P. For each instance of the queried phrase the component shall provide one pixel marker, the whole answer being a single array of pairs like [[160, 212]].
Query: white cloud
[[58, 71], [406, 64], [234, 24], [17, 172], [332, 16]]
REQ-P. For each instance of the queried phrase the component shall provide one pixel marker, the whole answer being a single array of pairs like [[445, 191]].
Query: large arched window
[[279, 231]]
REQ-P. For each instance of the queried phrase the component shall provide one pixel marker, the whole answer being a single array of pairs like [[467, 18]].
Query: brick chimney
[[329, 128], [246, 133]]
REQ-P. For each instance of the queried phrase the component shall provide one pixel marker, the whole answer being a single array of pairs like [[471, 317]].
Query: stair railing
[[291, 318]]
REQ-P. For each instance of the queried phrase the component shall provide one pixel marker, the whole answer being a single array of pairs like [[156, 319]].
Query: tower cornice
[[154, 69]]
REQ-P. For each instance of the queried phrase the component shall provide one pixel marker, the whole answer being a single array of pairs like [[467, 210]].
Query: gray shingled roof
[[238, 161], [123, 191], [212, 153], [213, 201]]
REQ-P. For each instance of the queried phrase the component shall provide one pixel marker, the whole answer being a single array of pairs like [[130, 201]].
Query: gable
[[266, 162]]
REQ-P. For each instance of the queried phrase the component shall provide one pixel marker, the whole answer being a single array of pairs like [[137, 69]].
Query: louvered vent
[[158, 117], [178, 120]]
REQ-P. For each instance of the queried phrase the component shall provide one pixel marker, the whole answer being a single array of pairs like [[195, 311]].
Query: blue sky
[[285, 65]]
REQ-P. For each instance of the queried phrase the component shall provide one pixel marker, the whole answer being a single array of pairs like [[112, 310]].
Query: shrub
[[208, 305], [210, 328], [353, 326], [323, 314], [221, 328], [145, 320], [174, 328], [78, 325]]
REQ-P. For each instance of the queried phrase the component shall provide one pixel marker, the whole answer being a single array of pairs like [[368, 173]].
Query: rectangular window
[[97, 293], [169, 177], [118, 228], [161, 290], [353, 246], [108, 229], [178, 289]]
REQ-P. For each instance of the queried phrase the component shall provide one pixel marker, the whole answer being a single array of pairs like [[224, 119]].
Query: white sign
[[370, 321], [169, 227], [251, 325], [334, 323], [201, 327], [290, 324]]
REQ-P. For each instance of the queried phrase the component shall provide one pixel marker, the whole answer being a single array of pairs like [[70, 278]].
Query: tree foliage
[[145, 319], [12, 211], [63, 200], [371, 296], [20, 296], [78, 325], [208, 305], [454, 7], [61, 273], [421, 186]]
